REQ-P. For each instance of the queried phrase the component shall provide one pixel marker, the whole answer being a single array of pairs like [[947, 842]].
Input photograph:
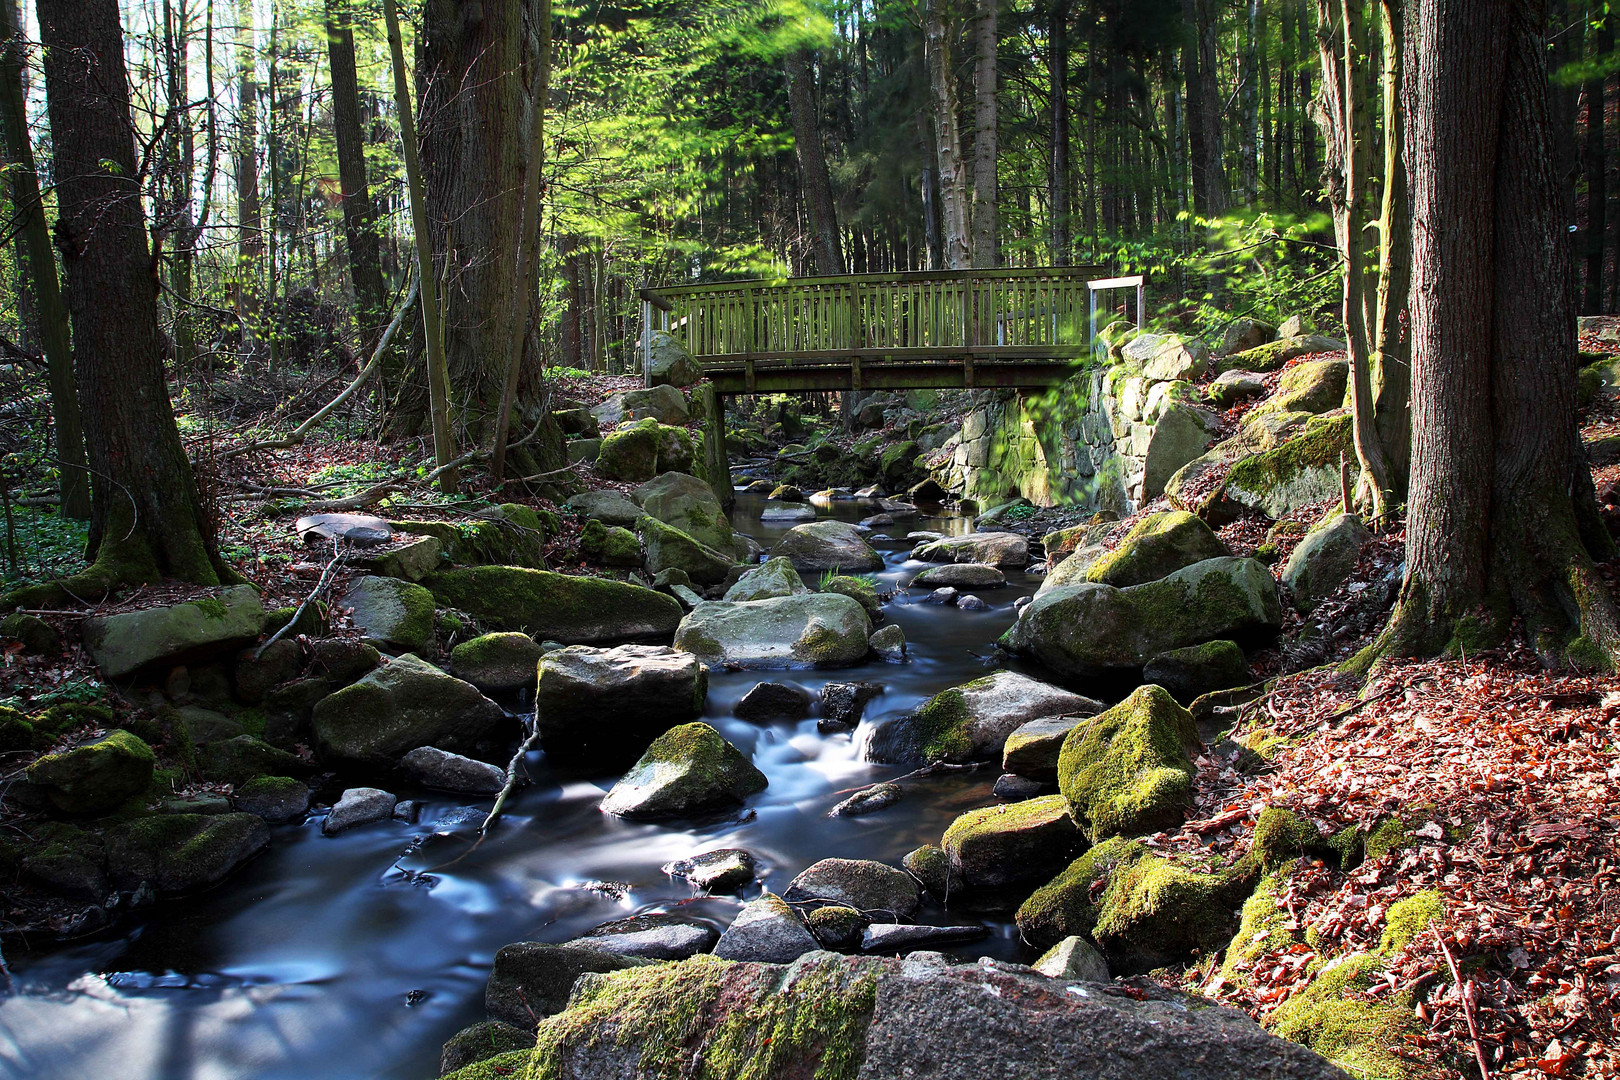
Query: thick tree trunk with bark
[[250, 226], [1493, 526], [359, 216], [813, 178], [1597, 196], [1216, 198], [149, 522], [34, 235], [984, 217]]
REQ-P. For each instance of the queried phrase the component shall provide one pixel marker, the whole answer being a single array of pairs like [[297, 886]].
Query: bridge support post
[[716, 460]]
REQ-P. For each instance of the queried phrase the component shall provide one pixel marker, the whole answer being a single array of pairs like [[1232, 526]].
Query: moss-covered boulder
[[839, 1017], [897, 466], [828, 545], [130, 642], [836, 927], [510, 534], [960, 576], [1337, 1016], [863, 590], [1128, 771], [1158, 545], [631, 453], [1195, 670], [530, 979], [607, 705], [32, 632], [1032, 749], [1007, 550], [998, 846], [497, 662], [97, 776], [1090, 630], [1143, 909], [65, 859], [1316, 386], [687, 770], [934, 872], [1274, 355], [879, 891], [668, 548], [241, 758], [1244, 334], [814, 630], [1167, 357], [393, 614], [1283, 481], [557, 607], [182, 852], [276, 799], [774, 577], [480, 1042], [402, 705], [1325, 559], [689, 504], [971, 722], [17, 732]]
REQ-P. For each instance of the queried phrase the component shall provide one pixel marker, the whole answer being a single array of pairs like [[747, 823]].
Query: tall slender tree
[[953, 185], [986, 39], [359, 215]]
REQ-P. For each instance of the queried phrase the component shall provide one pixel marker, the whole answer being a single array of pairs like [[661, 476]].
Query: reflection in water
[[356, 956]]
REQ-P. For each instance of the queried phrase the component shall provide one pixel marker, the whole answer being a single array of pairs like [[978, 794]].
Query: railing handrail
[[668, 293]]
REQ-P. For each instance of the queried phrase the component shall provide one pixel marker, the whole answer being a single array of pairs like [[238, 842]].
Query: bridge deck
[[957, 328]]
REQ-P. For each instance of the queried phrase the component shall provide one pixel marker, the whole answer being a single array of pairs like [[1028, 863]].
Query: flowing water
[[357, 955]]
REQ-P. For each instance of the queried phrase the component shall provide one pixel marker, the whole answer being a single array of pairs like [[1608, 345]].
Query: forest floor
[[1501, 772]]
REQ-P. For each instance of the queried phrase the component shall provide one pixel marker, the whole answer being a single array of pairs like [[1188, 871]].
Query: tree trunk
[[476, 116], [1216, 198], [953, 194], [1196, 153], [359, 216], [1057, 172], [1596, 185], [148, 521], [51, 315], [1249, 78], [249, 224], [984, 223], [1493, 528], [814, 180], [432, 313]]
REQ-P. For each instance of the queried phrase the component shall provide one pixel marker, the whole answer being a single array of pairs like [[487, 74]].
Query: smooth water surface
[[358, 955]]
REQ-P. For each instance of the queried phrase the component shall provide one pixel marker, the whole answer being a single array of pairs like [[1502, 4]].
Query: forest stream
[[358, 955]]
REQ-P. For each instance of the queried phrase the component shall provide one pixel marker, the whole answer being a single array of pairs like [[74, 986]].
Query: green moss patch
[[1129, 770]]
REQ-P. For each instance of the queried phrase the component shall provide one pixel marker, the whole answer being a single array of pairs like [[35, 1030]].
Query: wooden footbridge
[[1023, 328]]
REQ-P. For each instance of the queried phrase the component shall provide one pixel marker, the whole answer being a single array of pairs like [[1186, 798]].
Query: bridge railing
[[941, 316]]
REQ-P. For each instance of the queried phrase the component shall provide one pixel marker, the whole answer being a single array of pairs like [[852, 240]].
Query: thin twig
[[337, 558], [1467, 1007]]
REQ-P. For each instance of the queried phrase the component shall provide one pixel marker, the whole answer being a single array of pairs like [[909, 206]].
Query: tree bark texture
[[250, 225], [1057, 174], [476, 118], [50, 313], [814, 179], [1216, 197], [953, 187], [359, 215], [984, 217], [148, 521], [1492, 528], [1596, 180]]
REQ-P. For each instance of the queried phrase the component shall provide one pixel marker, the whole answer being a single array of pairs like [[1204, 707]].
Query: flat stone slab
[[896, 937], [361, 530]]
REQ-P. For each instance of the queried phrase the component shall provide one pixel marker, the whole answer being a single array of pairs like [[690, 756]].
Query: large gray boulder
[[1325, 559], [607, 506], [393, 614], [961, 576], [814, 630], [772, 578], [915, 1016], [1089, 630], [971, 722], [557, 607], [876, 890], [665, 404], [124, 644], [766, 930], [1158, 545], [657, 936], [687, 770], [1244, 334], [609, 704], [1301, 472], [828, 545], [402, 705], [689, 504], [1004, 549], [998, 846], [435, 768]]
